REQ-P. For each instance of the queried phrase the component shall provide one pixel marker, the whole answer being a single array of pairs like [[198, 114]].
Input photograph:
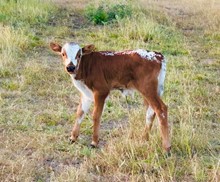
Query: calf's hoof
[[145, 137], [168, 154], [168, 151], [72, 139], [94, 144]]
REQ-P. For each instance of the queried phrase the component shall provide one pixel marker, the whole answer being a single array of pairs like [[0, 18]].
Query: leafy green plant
[[104, 13]]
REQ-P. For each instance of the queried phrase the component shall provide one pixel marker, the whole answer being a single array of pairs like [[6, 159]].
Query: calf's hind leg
[[150, 115], [160, 109]]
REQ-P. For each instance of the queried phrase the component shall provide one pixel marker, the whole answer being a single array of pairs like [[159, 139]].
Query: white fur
[[149, 115], [85, 105], [162, 115], [67, 62], [146, 54], [83, 88], [71, 51], [107, 53], [161, 78], [87, 96]]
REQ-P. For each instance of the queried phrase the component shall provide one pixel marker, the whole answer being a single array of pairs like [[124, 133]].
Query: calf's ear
[[55, 47], [88, 49]]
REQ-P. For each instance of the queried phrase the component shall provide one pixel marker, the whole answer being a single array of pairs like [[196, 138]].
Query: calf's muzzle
[[70, 68]]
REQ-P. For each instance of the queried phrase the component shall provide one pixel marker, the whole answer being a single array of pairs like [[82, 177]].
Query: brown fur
[[100, 72]]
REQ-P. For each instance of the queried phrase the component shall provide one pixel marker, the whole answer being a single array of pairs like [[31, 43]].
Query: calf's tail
[[161, 77]]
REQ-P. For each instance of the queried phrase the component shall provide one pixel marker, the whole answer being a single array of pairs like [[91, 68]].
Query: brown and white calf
[[95, 74]]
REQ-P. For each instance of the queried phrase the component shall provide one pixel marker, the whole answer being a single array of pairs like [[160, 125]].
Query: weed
[[107, 13]]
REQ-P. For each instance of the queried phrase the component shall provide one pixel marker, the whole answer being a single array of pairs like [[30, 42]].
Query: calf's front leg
[[82, 109], [99, 99]]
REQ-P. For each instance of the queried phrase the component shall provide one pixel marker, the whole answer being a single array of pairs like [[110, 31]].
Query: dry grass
[[37, 99]]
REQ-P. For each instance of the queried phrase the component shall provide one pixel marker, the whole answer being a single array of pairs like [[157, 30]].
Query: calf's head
[[71, 54]]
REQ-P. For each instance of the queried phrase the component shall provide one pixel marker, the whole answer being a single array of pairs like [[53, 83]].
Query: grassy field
[[38, 101]]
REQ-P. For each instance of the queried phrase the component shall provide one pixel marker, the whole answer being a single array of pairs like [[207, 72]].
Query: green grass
[[145, 33], [107, 13], [38, 101], [19, 13]]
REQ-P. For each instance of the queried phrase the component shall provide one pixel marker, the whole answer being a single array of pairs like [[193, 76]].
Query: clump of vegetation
[[105, 13]]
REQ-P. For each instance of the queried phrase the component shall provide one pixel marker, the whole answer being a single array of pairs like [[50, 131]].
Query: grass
[[38, 101]]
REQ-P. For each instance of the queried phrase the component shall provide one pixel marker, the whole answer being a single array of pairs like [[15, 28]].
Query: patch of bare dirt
[[73, 20], [59, 165], [72, 4]]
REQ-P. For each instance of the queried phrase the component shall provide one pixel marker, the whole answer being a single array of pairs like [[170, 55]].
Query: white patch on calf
[[87, 96], [149, 115], [83, 88], [85, 105], [71, 51], [146, 54], [163, 115], [67, 62], [107, 53], [161, 78]]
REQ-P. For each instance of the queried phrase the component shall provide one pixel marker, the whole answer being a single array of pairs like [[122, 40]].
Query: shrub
[[105, 13]]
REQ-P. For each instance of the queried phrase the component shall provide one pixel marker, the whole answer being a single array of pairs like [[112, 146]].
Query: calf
[[95, 74]]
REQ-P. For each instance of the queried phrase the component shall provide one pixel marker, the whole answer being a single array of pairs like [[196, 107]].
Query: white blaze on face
[[71, 50]]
